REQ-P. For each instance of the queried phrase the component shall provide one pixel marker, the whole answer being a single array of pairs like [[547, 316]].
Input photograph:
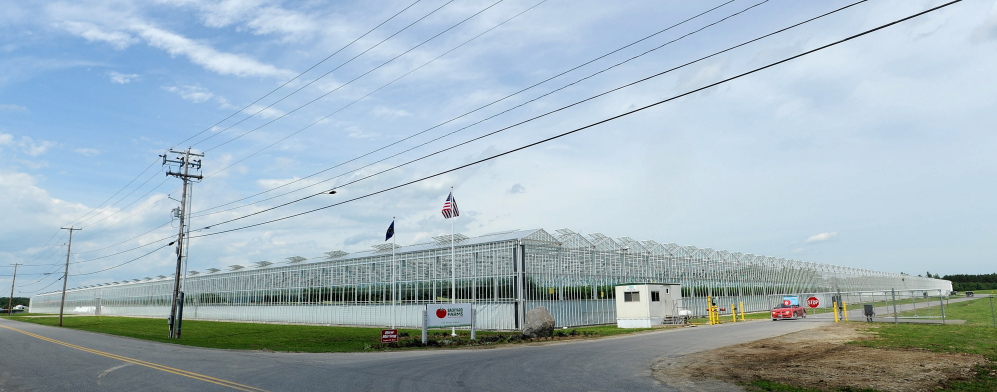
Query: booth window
[[655, 296], [631, 297]]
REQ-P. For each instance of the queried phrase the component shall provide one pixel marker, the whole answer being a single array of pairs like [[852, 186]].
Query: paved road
[[40, 358]]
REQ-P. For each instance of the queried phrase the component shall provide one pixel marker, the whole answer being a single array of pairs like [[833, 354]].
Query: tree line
[[964, 282]]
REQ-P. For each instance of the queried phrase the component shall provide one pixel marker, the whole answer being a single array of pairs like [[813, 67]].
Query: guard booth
[[646, 305]]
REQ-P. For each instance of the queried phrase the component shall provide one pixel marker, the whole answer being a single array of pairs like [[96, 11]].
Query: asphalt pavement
[[41, 358]]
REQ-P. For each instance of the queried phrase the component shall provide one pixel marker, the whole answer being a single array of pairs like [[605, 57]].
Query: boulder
[[539, 323]]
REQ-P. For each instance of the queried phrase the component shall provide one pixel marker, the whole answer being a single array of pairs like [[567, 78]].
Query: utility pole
[[10, 304], [184, 162], [65, 275]]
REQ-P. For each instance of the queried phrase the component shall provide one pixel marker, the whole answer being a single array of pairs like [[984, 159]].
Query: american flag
[[450, 207]]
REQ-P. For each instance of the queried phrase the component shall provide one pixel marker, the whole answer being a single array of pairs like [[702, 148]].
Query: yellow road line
[[196, 376]]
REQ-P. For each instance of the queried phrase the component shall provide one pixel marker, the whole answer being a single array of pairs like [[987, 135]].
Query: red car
[[790, 312]]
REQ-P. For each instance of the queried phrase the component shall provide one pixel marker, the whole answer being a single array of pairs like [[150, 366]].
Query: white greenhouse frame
[[502, 274]]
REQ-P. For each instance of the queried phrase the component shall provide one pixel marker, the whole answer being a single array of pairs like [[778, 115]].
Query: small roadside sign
[[389, 336], [813, 302]]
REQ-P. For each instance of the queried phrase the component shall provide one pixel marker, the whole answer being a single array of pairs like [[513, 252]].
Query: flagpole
[[393, 277], [453, 261]]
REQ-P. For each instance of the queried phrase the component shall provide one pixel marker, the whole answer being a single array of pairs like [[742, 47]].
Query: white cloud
[[195, 94], [26, 144], [382, 111], [822, 237], [268, 113], [988, 29], [206, 56], [87, 151], [91, 32], [256, 16], [12, 108], [121, 78]]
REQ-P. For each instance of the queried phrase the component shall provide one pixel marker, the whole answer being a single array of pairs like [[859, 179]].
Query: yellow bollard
[[733, 312], [742, 310], [834, 307], [844, 307], [709, 308]]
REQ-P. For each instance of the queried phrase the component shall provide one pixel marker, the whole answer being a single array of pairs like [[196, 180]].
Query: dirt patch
[[818, 359]]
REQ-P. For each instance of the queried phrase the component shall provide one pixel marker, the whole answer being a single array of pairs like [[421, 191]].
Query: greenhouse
[[503, 275]]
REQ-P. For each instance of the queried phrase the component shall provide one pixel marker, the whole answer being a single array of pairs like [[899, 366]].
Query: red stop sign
[[813, 302]]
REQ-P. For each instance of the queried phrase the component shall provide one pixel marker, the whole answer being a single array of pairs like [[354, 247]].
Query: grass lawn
[[293, 338]]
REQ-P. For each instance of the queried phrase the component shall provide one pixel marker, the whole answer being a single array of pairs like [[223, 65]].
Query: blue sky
[[877, 153]]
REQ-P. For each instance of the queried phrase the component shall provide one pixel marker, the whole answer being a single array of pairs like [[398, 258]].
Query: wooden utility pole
[[10, 304], [65, 275], [185, 162]]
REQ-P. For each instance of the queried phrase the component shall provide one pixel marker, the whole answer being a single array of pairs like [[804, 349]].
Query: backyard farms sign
[[448, 315]]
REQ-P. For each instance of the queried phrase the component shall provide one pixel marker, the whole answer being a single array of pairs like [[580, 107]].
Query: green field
[[295, 338]]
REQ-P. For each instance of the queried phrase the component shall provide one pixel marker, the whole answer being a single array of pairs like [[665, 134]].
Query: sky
[[874, 153]]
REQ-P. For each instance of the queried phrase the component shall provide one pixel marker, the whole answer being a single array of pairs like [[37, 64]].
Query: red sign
[[389, 336], [813, 302], [787, 302]]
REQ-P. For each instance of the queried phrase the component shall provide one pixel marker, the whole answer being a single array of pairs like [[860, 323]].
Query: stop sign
[[813, 302]]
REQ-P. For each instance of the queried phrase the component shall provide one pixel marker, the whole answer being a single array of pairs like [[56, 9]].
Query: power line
[[334, 90], [115, 194], [314, 80], [770, 65], [201, 213], [230, 116], [547, 113], [125, 263]]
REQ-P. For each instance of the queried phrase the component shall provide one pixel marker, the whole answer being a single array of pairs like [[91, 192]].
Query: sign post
[[447, 315]]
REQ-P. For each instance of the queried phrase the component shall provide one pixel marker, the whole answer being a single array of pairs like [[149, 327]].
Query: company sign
[[448, 315], [791, 300]]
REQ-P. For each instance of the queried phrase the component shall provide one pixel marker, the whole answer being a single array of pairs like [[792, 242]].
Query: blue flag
[[391, 231]]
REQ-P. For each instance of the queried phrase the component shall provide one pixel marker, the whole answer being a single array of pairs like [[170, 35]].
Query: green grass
[[975, 312], [765, 385], [294, 338]]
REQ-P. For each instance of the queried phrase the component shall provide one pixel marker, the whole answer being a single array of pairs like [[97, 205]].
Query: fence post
[[941, 301], [895, 317], [425, 329], [914, 301]]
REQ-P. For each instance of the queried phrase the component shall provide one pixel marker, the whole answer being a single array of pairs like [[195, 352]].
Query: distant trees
[[964, 282], [17, 301]]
